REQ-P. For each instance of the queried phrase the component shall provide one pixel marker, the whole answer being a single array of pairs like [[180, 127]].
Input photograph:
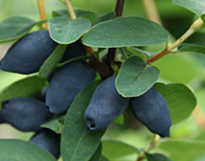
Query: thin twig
[[70, 9], [42, 12], [152, 11], [198, 24], [118, 12], [152, 145]]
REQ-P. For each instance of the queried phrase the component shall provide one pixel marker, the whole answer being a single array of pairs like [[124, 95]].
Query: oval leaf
[[196, 6], [51, 61], [78, 142], [125, 31], [180, 99], [55, 124], [114, 150], [135, 77], [30, 86], [15, 27], [185, 150], [156, 157], [64, 30], [105, 17], [193, 48], [19, 150], [79, 13]]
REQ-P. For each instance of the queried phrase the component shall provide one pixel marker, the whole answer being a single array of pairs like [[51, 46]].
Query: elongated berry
[[48, 140], [29, 53], [151, 109], [105, 105], [24, 113], [66, 84]]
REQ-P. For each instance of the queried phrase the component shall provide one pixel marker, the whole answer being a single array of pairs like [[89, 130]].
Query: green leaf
[[55, 124], [193, 48], [14, 28], [64, 30], [30, 86], [196, 6], [78, 142], [103, 158], [182, 150], [135, 77], [125, 31], [156, 157], [141, 53], [79, 13], [180, 99], [97, 155], [180, 68], [114, 150], [105, 17], [19, 150], [51, 61]]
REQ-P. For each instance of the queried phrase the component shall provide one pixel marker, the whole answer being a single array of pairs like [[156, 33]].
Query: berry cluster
[[27, 114]]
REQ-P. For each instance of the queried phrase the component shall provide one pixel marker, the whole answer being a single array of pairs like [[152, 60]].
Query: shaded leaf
[[114, 150], [179, 150], [180, 99], [30, 86], [64, 30], [19, 150], [14, 28], [196, 6], [97, 155], [79, 13], [156, 157], [78, 142], [194, 48], [55, 124], [51, 61], [125, 31], [105, 17], [135, 77]]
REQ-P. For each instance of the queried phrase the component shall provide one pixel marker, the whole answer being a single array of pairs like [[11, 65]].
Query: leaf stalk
[[42, 12]]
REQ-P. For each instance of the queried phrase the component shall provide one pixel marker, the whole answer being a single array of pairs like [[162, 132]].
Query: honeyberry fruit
[[48, 140], [105, 105], [24, 113], [29, 53], [73, 50], [151, 109], [66, 84]]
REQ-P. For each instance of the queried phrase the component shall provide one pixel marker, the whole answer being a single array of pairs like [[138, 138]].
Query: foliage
[[135, 49]]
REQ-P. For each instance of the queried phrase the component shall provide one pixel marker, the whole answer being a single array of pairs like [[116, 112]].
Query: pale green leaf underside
[[30, 86], [183, 150], [14, 28], [19, 150]]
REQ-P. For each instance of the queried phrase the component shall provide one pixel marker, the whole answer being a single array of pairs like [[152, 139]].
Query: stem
[[42, 12], [112, 51], [152, 11], [119, 8], [69, 5], [198, 24], [152, 145]]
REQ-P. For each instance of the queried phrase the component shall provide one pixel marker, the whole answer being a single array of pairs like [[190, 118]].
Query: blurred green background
[[185, 68]]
